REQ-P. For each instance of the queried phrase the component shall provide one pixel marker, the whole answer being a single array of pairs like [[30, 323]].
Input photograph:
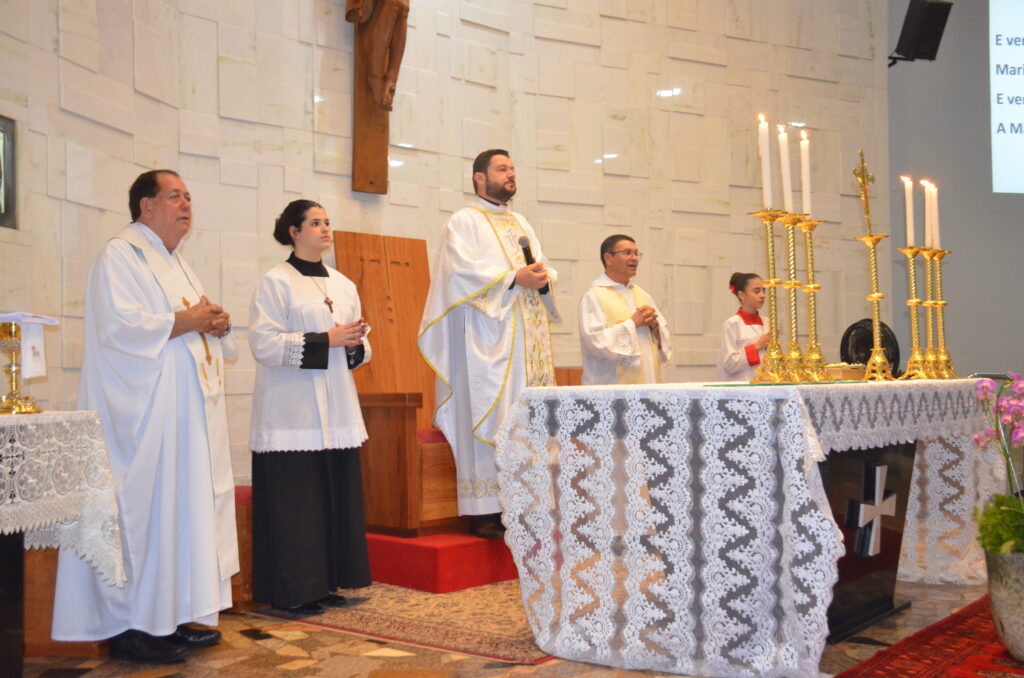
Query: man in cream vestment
[[485, 330], [154, 370], [623, 337]]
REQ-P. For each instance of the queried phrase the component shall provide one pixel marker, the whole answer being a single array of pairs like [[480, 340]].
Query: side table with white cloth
[[685, 528], [56, 491]]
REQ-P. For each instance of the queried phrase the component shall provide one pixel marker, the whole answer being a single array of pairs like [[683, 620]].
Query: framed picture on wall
[[8, 185]]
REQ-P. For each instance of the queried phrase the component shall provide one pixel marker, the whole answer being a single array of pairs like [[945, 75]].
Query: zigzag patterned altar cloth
[[672, 528], [55, 485], [684, 528], [951, 475]]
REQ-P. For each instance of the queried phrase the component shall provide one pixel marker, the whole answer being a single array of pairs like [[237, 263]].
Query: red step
[[439, 563]]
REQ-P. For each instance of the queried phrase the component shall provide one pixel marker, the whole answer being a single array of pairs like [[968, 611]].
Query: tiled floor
[[254, 647]]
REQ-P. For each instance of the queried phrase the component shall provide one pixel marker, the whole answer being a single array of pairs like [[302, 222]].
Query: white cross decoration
[[869, 512]]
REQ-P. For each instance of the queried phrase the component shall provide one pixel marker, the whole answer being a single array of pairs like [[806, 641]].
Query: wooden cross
[[380, 27]]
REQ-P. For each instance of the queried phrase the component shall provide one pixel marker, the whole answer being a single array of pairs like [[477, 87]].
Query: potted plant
[[1001, 519]]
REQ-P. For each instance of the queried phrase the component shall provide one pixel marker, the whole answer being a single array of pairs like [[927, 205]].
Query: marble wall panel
[[631, 116], [157, 60]]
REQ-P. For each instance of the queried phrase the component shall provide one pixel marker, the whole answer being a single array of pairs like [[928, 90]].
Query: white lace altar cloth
[[56, 487], [673, 527], [951, 475]]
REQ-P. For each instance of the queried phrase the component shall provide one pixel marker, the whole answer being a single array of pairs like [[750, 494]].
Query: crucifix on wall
[[380, 27]]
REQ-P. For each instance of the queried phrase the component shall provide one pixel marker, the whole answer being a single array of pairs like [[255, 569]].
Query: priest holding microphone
[[486, 330]]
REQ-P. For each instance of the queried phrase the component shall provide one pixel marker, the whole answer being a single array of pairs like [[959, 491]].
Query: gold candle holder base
[[772, 369], [814, 365], [917, 368], [878, 367], [14, 402]]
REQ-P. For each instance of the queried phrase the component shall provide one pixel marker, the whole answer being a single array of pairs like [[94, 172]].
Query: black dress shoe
[[487, 526], [139, 646], [305, 609], [333, 600], [191, 636]]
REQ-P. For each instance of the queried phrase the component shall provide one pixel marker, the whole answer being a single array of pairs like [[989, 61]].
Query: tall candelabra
[[916, 366], [771, 370], [814, 361], [878, 368], [931, 355], [10, 343], [793, 360], [943, 361]]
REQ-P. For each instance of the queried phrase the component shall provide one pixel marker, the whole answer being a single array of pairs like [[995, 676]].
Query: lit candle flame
[[803, 134]]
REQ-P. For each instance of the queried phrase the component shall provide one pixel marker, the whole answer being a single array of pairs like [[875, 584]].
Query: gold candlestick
[[10, 343], [793, 359], [771, 370], [944, 363], [931, 355], [814, 361], [878, 368], [915, 364]]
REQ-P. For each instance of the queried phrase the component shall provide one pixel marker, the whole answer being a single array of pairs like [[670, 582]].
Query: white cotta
[[285, 306], [733, 364], [161, 401], [623, 345], [481, 345]]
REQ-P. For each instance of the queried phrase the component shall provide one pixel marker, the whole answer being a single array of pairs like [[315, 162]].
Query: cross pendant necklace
[[328, 302]]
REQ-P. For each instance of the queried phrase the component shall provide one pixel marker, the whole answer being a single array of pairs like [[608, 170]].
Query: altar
[[685, 528], [56, 491]]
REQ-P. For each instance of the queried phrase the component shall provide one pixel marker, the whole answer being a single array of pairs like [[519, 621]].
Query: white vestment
[[485, 338], [161, 401], [295, 409], [738, 359], [607, 350]]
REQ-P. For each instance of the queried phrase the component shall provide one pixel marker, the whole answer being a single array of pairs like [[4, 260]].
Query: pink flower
[[1003, 404], [984, 389], [983, 438], [1018, 387], [1014, 376], [1006, 419]]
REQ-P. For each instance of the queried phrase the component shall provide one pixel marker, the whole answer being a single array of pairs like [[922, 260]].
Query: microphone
[[524, 242]]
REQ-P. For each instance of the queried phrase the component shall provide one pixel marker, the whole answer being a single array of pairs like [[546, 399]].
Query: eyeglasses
[[630, 253]]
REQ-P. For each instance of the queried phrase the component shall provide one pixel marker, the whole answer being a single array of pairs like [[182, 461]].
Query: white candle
[[908, 202], [935, 218], [763, 150], [805, 171], [787, 180], [928, 211]]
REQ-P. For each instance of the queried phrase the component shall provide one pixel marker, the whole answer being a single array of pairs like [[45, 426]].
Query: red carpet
[[439, 563], [963, 645]]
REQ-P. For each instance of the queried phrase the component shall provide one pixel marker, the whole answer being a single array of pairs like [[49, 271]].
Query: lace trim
[[294, 347], [305, 441], [55, 485]]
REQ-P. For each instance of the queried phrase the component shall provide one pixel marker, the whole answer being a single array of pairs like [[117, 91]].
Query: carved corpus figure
[[381, 28]]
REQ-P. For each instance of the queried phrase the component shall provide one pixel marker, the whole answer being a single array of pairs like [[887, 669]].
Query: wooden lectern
[[409, 480]]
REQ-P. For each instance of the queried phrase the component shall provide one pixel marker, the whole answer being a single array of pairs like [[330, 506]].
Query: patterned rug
[[964, 644], [485, 621]]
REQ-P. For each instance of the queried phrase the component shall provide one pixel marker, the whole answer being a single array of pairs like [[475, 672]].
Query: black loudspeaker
[[922, 30]]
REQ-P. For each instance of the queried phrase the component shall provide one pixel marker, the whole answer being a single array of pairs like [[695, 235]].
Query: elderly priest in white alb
[[485, 331], [154, 369]]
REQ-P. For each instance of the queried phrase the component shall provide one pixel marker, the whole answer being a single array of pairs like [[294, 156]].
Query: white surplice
[[161, 401], [485, 338], [295, 409], [738, 359], [623, 345]]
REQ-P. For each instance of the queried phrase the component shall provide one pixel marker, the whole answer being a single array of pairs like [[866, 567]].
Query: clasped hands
[[204, 317], [348, 334], [645, 316]]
